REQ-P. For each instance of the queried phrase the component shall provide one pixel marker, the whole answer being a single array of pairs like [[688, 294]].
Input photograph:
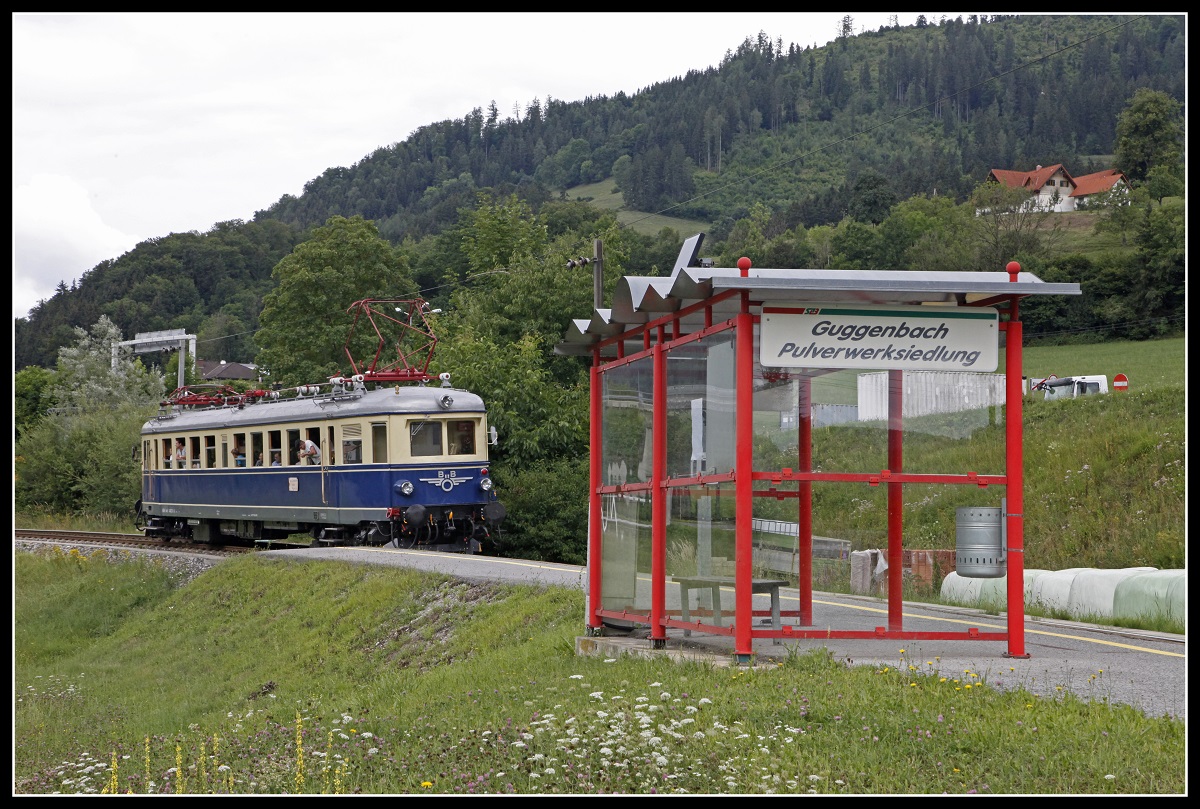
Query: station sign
[[912, 338]]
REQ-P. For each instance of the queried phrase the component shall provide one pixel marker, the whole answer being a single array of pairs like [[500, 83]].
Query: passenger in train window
[[239, 455], [307, 449], [275, 459], [180, 454], [258, 459]]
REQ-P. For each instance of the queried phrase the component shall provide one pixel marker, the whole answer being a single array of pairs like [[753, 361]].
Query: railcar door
[[150, 470]]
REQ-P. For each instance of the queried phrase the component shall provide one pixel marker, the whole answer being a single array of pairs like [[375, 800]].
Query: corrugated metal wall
[[928, 392]]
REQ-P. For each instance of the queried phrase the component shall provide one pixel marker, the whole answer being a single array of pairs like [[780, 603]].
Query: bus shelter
[[750, 426]]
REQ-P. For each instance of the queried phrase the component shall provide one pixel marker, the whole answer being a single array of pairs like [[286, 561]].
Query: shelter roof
[[638, 300]]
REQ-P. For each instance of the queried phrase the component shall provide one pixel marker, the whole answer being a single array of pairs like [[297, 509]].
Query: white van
[[1069, 387]]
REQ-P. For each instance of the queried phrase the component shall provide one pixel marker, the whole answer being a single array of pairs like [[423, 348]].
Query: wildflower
[[427, 784], [575, 677], [1110, 777]]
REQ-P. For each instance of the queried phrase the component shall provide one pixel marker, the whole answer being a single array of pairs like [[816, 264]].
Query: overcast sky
[[133, 126]]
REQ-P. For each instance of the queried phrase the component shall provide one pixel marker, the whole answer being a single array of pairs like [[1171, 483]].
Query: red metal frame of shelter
[[660, 335]]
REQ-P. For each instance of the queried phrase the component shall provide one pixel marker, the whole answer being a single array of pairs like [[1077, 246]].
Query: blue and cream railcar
[[405, 466]]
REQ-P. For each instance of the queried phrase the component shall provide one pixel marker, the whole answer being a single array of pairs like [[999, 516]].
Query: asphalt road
[[1147, 670]]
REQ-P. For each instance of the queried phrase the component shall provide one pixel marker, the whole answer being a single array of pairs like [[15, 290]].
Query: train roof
[[339, 403]]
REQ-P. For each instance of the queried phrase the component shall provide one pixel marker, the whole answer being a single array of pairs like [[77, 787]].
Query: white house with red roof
[[1052, 188]]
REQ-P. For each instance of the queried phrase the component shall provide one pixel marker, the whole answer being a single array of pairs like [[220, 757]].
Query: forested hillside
[[778, 148]]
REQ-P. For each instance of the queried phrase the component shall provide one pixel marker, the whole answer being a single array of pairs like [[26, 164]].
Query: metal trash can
[[979, 543]]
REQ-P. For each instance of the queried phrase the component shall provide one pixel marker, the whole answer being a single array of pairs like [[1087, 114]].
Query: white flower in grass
[[664, 695], [1110, 777], [366, 734], [661, 761], [655, 685], [518, 744], [814, 778], [575, 677], [705, 701], [596, 694]]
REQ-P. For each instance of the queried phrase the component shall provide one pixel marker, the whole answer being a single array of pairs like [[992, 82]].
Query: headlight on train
[[405, 488], [486, 484]]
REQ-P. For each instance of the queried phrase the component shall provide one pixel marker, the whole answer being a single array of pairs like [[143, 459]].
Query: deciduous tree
[[305, 321]]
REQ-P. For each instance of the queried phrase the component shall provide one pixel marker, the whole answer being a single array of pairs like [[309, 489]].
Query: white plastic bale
[[961, 590], [995, 591], [1052, 590], [1152, 594], [861, 571], [1092, 591]]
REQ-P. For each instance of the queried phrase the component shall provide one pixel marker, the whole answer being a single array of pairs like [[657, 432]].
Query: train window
[[293, 451], [332, 459], [180, 453], [275, 439], [379, 453], [462, 437], [256, 448], [210, 452], [314, 435], [168, 453], [194, 451], [239, 449], [425, 438], [352, 443]]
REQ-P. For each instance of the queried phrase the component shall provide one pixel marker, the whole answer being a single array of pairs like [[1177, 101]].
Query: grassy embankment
[[267, 675]]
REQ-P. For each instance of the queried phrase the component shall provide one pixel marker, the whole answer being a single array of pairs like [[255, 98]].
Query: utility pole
[[598, 274]]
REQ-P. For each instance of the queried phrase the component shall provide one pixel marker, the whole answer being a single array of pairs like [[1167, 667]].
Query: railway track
[[126, 541]]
